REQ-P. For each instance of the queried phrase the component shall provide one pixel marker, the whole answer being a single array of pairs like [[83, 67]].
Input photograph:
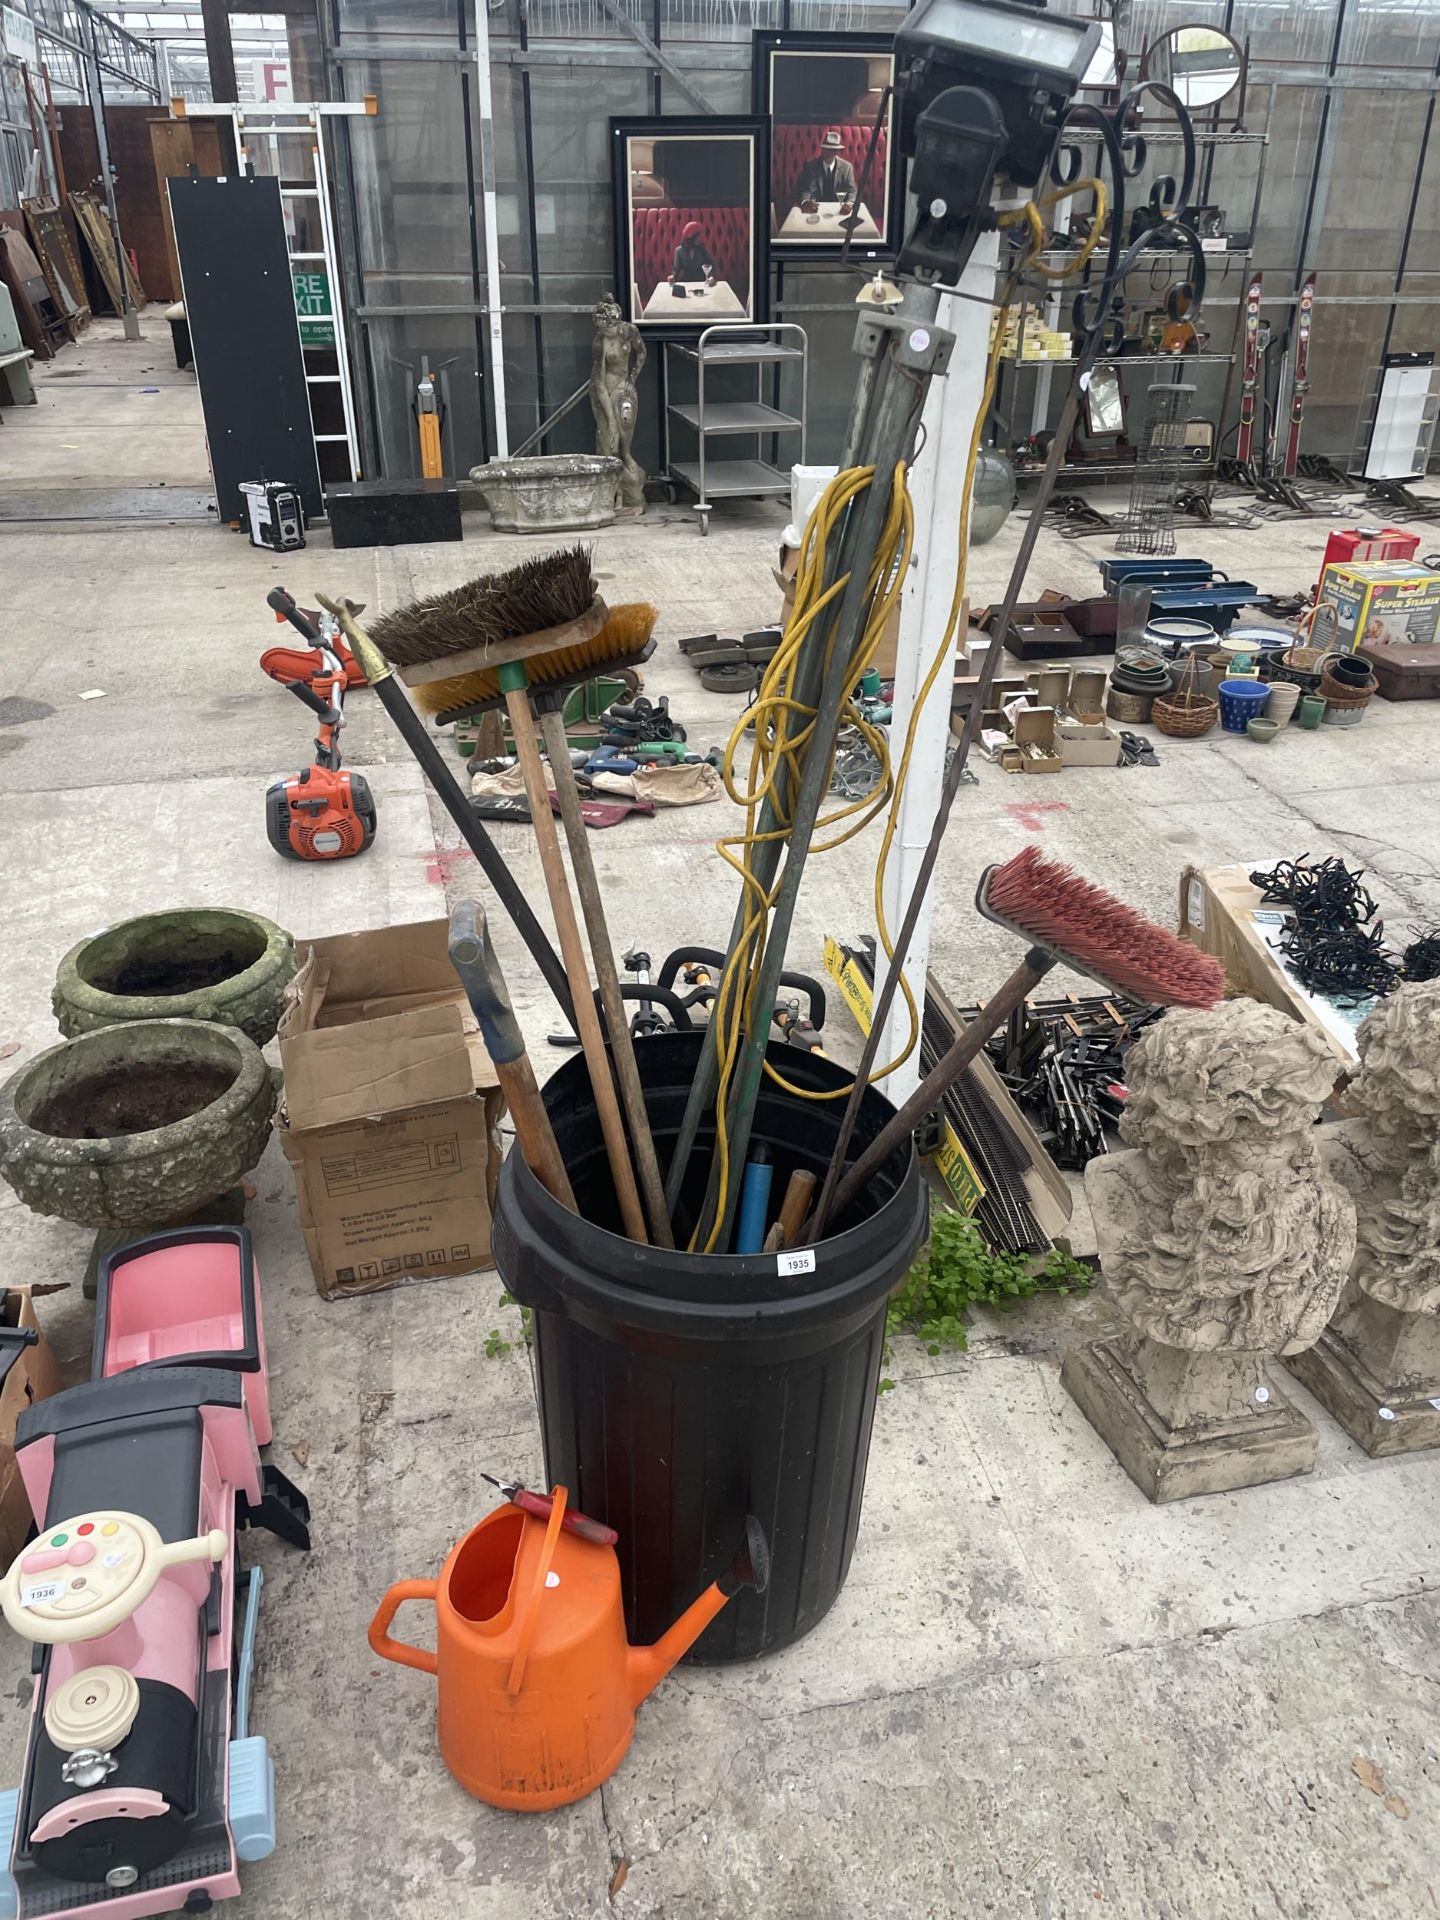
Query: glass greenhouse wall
[[1351, 188]]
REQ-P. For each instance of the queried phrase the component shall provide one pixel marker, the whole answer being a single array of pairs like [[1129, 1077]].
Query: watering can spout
[[646, 1667]]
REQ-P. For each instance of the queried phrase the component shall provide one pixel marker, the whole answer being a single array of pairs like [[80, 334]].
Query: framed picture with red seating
[[835, 174], [689, 200]]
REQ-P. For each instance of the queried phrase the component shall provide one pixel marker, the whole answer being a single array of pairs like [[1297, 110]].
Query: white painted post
[[936, 483], [492, 230]]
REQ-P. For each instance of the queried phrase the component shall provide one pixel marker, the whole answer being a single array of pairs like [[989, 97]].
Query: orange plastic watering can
[[537, 1684]]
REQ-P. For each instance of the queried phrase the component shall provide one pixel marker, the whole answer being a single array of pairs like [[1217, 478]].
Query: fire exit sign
[[313, 307]]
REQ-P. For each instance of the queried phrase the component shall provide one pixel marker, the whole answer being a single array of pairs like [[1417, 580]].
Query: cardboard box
[[886, 653], [390, 1112], [1222, 912], [1087, 743], [1035, 727], [1381, 604], [33, 1377]]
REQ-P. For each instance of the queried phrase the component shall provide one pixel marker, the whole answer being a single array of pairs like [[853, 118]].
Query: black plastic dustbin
[[680, 1392]]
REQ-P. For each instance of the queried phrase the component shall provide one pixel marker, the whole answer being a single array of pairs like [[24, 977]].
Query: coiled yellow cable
[[783, 727]]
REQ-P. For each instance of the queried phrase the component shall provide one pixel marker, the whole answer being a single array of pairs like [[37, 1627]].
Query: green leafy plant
[[495, 1341], [958, 1271]]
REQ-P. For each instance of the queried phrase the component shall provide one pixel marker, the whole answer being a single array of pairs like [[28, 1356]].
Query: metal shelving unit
[[761, 347], [1201, 470]]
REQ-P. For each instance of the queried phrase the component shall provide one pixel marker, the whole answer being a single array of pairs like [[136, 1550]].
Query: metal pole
[[937, 486], [130, 320], [871, 346], [917, 350], [219, 50], [494, 316]]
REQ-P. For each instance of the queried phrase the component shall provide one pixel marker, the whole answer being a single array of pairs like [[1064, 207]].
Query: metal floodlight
[[959, 139], [1029, 61]]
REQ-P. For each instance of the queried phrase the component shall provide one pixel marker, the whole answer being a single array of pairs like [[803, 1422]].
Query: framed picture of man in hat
[[834, 174], [689, 226]]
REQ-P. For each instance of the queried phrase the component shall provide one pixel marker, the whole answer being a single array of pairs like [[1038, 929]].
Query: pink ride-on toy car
[[143, 1786]]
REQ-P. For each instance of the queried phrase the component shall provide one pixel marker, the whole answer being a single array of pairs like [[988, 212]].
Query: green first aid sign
[[312, 305]]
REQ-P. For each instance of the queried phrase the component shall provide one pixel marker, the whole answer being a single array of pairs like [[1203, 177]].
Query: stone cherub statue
[[1232, 1237], [1377, 1367], [615, 364], [1223, 1241]]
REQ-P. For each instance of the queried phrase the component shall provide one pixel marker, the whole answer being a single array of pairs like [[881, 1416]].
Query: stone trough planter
[[138, 1125], [198, 963], [549, 493]]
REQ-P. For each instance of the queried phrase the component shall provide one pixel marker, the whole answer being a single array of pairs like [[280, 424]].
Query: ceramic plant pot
[[1284, 698], [1263, 730]]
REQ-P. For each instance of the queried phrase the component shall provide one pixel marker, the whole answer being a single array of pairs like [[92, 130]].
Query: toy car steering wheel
[[87, 1576]]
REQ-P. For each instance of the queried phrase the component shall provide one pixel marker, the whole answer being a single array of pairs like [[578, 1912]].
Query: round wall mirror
[[1201, 64]]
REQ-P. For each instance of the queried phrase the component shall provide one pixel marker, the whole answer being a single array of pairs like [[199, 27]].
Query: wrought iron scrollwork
[[1124, 152]]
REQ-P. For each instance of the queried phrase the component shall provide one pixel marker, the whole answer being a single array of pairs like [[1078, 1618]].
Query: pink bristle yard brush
[[1068, 920]]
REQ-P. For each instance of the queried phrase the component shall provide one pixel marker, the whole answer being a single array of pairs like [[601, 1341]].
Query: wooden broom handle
[[572, 952], [602, 955], [938, 1082], [473, 959]]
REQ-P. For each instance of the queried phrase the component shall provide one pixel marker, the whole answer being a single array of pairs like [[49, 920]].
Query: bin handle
[[530, 1609], [397, 1650]]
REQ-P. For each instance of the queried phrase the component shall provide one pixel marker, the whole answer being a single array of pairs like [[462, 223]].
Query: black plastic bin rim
[[727, 1294]]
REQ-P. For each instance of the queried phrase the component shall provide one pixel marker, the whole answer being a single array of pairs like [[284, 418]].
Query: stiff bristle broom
[[541, 626], [549, 591], [624, 641], [1068, 920]]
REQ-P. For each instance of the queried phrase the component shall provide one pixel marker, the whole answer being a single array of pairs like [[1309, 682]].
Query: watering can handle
[[397, 1650], [530, 1614]]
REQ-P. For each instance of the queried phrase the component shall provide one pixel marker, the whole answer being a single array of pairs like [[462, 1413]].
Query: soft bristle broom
[[541, 627], [1069, 920]]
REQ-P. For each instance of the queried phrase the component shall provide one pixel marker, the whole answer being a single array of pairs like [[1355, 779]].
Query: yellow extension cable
[[775, 712]]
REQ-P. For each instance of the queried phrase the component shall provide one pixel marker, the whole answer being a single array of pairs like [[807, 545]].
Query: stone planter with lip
[[136, 1125], [550, 493], [195, 963]]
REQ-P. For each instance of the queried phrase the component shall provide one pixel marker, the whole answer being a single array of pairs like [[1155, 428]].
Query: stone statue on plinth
[[1376, 1367], [1223, 1241]]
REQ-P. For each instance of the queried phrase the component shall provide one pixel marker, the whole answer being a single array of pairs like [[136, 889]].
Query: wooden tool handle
[[942, 1076], [798, 1193], [533, 1132], [572, 952], [473, 959], [622, 1044]]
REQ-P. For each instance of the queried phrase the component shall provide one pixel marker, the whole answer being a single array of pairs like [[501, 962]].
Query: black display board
[[240, 303]]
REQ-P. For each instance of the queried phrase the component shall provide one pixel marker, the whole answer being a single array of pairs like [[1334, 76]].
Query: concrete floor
[[1037, 1695]]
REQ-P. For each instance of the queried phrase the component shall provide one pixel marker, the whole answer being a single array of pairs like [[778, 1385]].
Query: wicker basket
[[1337, 694], [1185, 716]]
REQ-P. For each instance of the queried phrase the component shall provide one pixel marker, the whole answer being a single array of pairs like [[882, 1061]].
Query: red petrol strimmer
[[320, 813]]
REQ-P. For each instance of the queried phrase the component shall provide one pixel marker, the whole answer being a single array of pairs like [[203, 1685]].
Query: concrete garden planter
[[550, 493], [137, 1125], [200, 963]]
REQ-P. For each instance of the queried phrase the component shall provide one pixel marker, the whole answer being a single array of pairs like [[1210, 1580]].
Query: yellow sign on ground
[[966, 1187]]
